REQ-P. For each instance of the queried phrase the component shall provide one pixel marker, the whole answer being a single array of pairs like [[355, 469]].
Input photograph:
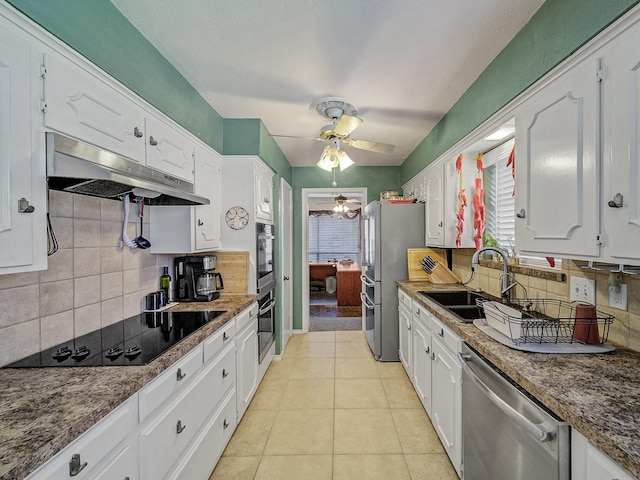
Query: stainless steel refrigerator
[[389, 229]]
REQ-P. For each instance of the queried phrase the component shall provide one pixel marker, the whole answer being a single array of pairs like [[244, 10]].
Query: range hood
[[77, 167]]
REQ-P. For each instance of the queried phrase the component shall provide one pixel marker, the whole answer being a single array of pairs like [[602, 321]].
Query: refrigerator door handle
[[365, 301], [366, 281]]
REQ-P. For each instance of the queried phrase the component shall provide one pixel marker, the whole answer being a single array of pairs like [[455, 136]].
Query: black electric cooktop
[[132, 341]]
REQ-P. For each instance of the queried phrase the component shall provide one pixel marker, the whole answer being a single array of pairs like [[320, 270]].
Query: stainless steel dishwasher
[[507, 434]]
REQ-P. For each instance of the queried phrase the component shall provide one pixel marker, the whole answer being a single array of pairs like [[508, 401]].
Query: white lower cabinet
[[435, 373], [422, 358], [109, 446], [247, 357], [404, 329], [588, 462]]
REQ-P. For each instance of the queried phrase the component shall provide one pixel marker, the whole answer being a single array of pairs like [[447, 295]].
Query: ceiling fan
[[339, 204], [344, 121]]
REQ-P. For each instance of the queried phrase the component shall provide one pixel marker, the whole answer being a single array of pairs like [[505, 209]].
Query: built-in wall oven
[[266, 288]]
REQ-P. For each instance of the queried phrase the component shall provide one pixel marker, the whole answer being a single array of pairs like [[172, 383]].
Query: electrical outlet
[[618, 299], [582, 290]]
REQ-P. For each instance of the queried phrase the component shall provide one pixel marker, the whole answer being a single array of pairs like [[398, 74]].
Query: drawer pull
[[136, 132], [76, 465], [200, 223], [180, 375], [441, 333], [427, 350], [180, 427], [433, 356], [152, 141], [225, 424], [225, 374], [225, 336]]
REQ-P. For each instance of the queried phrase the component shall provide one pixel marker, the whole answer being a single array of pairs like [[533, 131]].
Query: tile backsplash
[[91, 281], [625, 329]]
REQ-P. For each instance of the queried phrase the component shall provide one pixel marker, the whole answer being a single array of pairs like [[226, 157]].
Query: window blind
[[333, 237]]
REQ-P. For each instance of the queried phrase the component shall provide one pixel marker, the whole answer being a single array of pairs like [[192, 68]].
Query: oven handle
[[531, 428], [363, 299], [366, 281], [267, 307]]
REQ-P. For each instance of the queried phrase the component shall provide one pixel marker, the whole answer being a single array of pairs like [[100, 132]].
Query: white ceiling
[[402, 63]]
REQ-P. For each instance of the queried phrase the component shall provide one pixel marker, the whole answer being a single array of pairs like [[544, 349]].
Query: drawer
[[124, 465], [167, 437], [404, 299], [447, 337], [94, 446], [173, 379], [245, 317], [219, 340], [422, 315], [207, 449]]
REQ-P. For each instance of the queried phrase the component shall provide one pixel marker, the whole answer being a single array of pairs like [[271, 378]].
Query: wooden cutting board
[[234, 267], [414, 255]]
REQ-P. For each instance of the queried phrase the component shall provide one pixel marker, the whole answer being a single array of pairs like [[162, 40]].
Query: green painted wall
[[376, 179], [97, 30], [557, 30]]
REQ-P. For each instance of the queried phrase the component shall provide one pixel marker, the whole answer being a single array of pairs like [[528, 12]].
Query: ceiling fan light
[[344, 160], [329, 158]]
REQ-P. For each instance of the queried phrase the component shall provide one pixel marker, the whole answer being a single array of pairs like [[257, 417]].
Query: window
[[333, 237], [498, 198]]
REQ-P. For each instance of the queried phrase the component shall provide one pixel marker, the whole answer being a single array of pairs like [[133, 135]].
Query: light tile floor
[[328, 410]]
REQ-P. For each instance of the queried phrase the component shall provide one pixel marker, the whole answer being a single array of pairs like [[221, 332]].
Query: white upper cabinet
[[176, 229], [621, 141], [169, 150], [22, 177], [557, 181], [434, 209], [83, 106], [263, 192]]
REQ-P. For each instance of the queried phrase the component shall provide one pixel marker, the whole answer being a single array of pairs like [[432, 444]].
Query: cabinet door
[[557, 181], [421, 350], [169, 150], [621, 90], [404, 329], [84, 107], [589, 463], [264, 192], [447, 400], [247, 358], [18, 178], [207, 217], [434, 210]]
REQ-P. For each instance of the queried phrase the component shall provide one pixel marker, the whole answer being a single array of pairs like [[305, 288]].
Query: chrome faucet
[[504, 278]]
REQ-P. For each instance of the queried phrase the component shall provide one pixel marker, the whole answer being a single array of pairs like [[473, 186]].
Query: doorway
[[332, 239]]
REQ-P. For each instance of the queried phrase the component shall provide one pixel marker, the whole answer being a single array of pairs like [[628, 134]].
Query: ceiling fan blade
[[346, 125], [301, 138], [371, 146]]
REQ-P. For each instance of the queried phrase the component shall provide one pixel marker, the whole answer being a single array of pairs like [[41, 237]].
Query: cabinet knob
[[225, 336], [24, 207], [180, 375], [152, 141], [427, 350], [440, 224], [200, 223], [137, 133], [521, 213], [433, 356], [225, 424], [76, 465], [266, 200], [180, 427], [441, 333], [286, 279], [616, 202], [225, 374]]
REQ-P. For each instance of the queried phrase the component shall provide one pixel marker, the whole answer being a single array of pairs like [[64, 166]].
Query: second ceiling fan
[[344, 122]]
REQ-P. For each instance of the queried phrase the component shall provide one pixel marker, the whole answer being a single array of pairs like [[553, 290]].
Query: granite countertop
[[43, 409], [597, 394]]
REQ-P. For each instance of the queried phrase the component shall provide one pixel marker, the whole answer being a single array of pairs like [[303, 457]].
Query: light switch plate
[[582, 290], [618, 299]]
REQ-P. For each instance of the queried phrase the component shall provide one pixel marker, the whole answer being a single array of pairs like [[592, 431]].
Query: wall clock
[[237, 218]]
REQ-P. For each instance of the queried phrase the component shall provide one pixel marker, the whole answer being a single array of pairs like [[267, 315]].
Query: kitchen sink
[[460, 303], [455, 297]]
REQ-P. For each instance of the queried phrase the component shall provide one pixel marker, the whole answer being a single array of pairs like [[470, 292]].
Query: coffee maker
[[194, 280]]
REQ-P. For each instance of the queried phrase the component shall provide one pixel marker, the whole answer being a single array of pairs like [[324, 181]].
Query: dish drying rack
[[545, 321]]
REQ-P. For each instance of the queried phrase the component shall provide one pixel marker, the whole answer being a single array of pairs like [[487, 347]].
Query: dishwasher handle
[[531, 428]]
